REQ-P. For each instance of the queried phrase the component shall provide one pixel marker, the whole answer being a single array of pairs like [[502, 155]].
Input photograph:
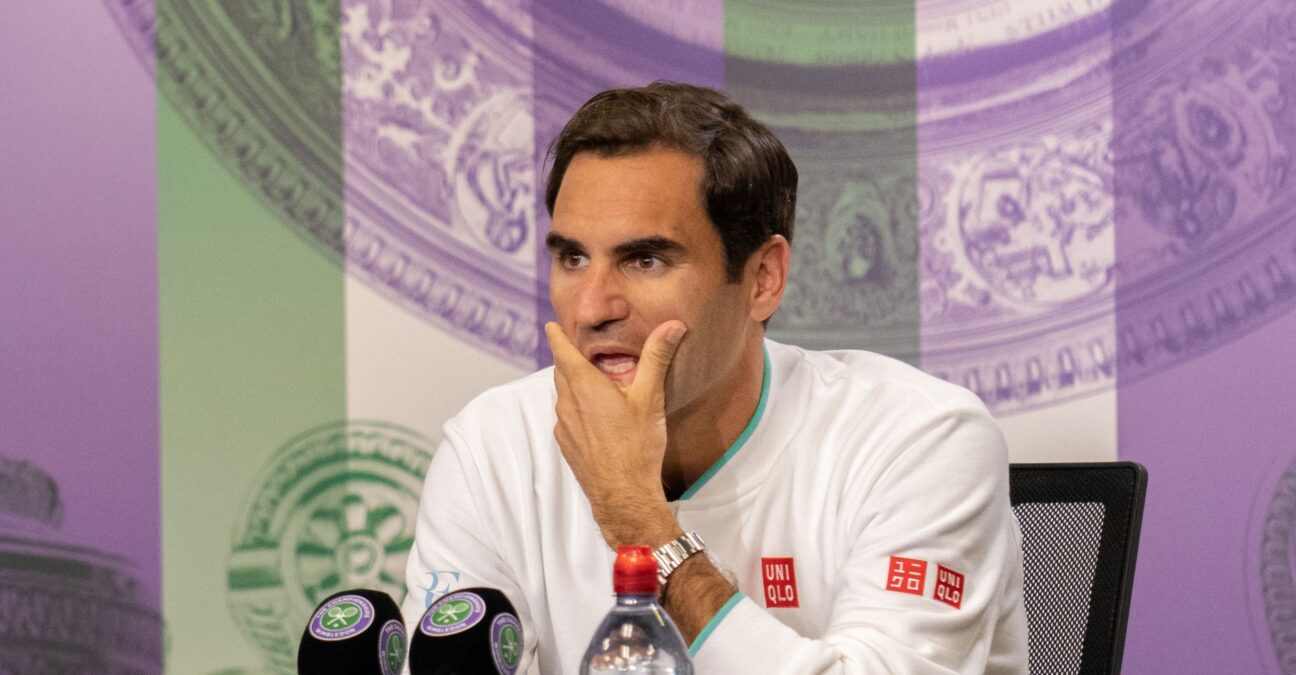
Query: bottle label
[[391, 647], [342, 617], [506, 643], [455, 613]]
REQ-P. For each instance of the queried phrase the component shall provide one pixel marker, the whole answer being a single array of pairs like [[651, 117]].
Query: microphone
[[474, 631], [355, 632]]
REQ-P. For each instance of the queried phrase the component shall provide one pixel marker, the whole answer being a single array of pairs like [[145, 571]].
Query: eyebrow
[[648, 245], [556, 242]]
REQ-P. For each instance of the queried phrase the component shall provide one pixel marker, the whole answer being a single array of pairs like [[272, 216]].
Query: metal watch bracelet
[[672, 554]]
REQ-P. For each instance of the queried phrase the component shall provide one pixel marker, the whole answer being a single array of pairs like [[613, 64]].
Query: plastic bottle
[[637, 636]]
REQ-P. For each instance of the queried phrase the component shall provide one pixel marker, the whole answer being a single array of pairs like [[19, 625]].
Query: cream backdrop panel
[[404, 371]]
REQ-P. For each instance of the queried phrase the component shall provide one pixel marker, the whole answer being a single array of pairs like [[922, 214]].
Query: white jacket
[[886, 488]]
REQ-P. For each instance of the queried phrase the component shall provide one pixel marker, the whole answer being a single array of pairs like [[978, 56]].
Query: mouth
[[619, 366]]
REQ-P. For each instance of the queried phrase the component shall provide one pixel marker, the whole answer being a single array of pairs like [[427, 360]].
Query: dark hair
[[749, 183]]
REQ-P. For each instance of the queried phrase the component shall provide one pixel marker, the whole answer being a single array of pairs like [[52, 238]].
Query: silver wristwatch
[[671, 554]]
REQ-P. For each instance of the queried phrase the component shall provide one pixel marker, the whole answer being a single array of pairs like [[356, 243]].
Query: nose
[[600, 298]]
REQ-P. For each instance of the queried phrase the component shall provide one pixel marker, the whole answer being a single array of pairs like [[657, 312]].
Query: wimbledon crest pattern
[[1035, 224], [1111, 203], [1277, 569], [991, 258], [334, 510]]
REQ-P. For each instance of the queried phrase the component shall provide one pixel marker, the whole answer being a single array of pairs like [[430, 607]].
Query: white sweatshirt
[[863, 512]]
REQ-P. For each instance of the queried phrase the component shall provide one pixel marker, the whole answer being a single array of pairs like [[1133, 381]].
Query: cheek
[[722, 317], [561, 297], [709, 350], [705, 353], [684, 381]]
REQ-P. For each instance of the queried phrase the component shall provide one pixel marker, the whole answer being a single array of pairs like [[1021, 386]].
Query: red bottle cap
[[635, 571]]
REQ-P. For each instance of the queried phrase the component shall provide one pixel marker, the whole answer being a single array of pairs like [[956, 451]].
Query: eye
[[647, 262], [571, 260]]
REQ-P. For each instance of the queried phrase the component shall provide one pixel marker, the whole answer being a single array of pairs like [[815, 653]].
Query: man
[[854, 511]]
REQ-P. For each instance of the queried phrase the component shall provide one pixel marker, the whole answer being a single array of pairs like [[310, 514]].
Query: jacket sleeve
[[932, 574], [453, 547]]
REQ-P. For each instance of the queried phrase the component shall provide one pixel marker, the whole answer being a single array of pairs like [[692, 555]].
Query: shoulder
[[884, 383], [510, 411], [868, 411]]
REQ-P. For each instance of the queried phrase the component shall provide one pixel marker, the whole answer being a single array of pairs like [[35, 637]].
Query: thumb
[[655, 360]]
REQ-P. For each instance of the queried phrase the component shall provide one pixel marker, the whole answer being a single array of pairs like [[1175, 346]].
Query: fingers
[[568, 360], [564, 408], [571, 367], [562, 385], [657, 355]]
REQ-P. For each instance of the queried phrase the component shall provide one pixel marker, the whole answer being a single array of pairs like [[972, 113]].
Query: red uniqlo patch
[[907, 575], [779, 575], [949, 586]]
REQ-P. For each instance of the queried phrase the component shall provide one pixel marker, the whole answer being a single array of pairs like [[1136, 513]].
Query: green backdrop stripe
[[252, 316], [837, 84]]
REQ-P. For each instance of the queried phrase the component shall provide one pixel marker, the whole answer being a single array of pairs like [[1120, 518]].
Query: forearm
[[695, 592], [630, 519]]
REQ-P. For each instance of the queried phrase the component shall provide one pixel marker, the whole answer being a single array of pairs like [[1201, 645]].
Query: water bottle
[[637, 636]]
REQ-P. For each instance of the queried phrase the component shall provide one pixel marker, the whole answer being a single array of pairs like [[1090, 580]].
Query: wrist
[[636, 523], [673, 553]]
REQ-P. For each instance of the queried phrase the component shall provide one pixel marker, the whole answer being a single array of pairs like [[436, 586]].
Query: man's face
[[632, 247]]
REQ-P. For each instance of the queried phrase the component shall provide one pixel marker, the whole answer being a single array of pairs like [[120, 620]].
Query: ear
[[770, 265]]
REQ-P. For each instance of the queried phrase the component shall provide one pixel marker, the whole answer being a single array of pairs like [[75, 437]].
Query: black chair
[[1080, 530]]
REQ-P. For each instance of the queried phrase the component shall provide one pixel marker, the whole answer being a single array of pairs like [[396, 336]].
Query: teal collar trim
[[711, 625], [742, 438]]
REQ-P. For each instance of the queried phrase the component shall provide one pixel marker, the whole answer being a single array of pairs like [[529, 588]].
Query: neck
[[701, 432]]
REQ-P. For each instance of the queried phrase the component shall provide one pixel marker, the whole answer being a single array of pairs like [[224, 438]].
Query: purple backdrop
[[78, 314], [1212, 439], [1203, 127]]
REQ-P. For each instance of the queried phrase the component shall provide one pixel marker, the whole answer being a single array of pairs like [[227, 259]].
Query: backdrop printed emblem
[[1276, 573], [333, 510], [999, 232], [64, 608], [1035, 225], [1203, 184], [1035, 148], [432, 203]]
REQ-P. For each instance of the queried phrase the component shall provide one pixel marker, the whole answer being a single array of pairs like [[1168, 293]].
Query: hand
[[614, 436]]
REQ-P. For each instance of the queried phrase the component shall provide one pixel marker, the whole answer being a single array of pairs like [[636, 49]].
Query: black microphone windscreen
[[474, 631], [355, 632]]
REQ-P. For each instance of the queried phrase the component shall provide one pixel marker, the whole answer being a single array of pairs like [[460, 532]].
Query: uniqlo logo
[[949, 586], [907, 575], [779, 575]]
